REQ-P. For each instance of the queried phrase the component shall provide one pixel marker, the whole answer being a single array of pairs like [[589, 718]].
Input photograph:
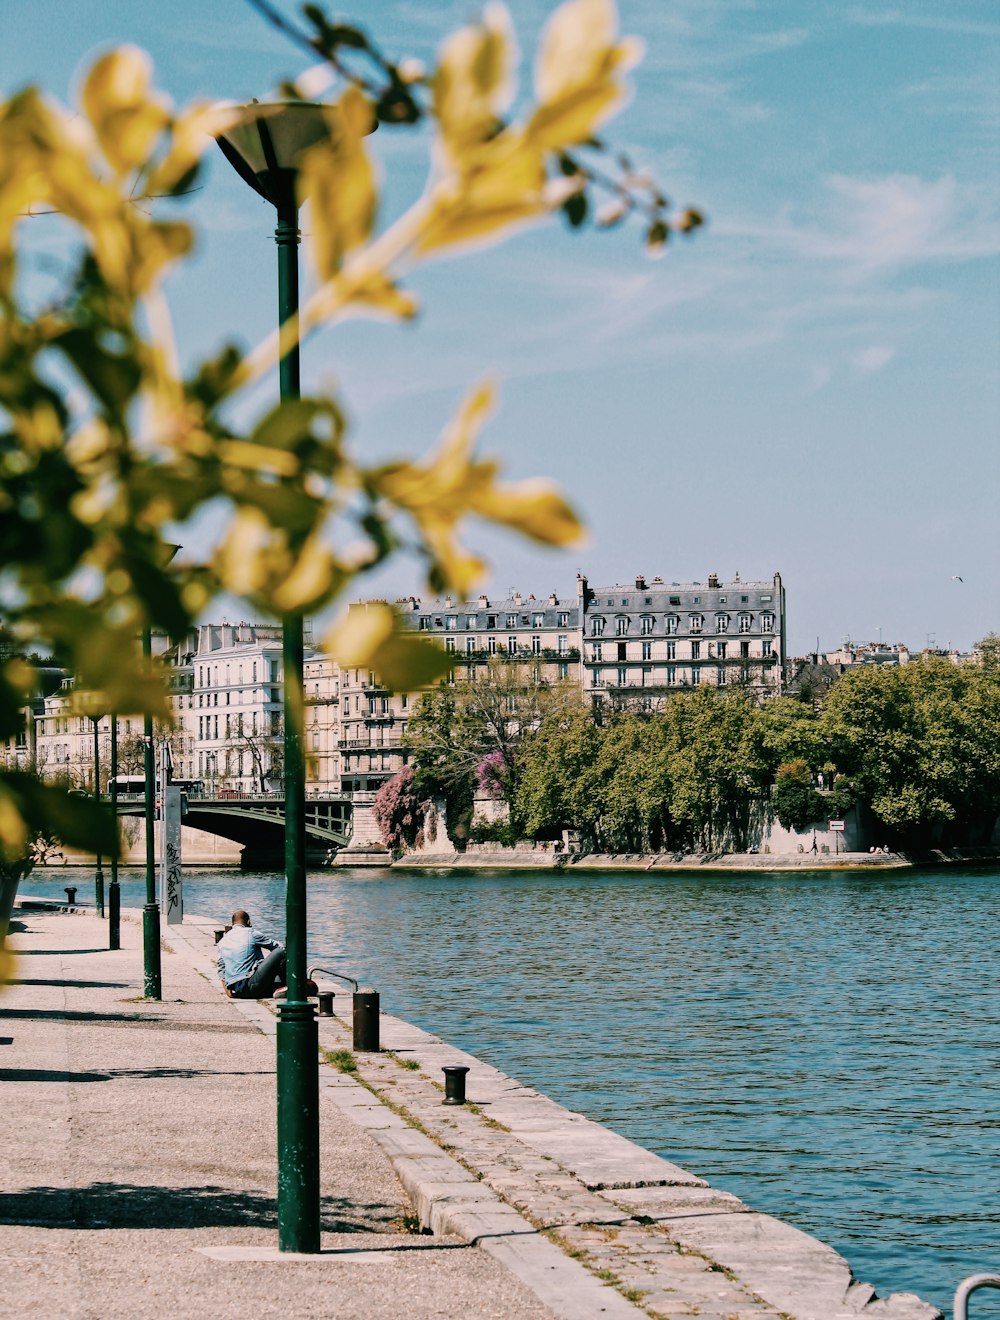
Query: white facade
[[642, 641]]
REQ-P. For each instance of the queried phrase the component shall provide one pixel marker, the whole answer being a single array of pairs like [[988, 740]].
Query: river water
[[823, 1044]]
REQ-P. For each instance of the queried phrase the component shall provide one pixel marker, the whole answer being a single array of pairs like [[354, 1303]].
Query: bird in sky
[[956, 578]]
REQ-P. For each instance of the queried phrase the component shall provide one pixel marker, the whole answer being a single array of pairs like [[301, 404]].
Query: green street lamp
[[151, 966], [114, 889], [264, 149], [99, 872]]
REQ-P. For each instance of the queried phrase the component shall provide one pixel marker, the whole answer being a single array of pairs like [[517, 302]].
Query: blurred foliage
[[109, 452]]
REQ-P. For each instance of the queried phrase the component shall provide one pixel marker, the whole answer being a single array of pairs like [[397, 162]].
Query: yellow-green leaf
[[373, 637]]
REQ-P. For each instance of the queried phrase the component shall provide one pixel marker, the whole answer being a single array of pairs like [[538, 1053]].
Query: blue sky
[[810, 385]]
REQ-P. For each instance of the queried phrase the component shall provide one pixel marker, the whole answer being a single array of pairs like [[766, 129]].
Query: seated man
[[245, 971]]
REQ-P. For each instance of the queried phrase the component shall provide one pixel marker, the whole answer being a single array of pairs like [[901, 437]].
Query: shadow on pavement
[[50, 1075], [76, 985], [118, 1205], [29, 952], [73, 1015]]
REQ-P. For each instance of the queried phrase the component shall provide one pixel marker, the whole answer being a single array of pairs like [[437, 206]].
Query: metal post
[[114, 891], [297, 1033], [150, 912], [99, 873]]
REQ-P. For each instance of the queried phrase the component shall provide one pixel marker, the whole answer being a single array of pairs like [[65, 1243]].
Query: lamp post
[[264, 150], [114, 891], [152, 979], [99, 872]]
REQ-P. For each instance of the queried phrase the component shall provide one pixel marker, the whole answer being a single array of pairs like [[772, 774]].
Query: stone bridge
[[258, 823]]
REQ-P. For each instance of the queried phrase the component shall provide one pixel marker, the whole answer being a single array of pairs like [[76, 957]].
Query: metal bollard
[[454, 1084], [326, 1003], [218, 935], [70, 892], [366, 1020]]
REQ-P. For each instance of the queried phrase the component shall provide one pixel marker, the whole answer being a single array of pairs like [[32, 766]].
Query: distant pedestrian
[[815, 845], [251, 965]]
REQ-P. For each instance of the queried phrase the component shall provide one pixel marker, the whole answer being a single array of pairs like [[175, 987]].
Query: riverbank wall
[[542, 857], [581, 1221]]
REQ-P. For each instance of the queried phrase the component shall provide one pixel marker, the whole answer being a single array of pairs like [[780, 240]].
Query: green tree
[[556, 760], [920, 744], [794, 800], [457, 726]]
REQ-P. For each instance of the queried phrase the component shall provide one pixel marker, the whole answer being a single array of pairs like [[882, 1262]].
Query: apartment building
[[540, 634], [321, 680], [644, 640]]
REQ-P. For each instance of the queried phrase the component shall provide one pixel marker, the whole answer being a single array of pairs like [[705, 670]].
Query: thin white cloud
[[932, 22], [873, 359], [874, 225]]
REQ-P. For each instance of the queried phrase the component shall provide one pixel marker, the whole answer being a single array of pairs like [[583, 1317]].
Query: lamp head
[[266, 144]]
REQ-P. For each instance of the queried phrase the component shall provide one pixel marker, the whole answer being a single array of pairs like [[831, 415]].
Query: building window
[[597, 626], [671, 622], [671, 650], [695, 675], [765, 600], [512, 645], [744, 650], [491, 645], [646, 624], [563, 621], [720, 649], [720, 676], [767, 622], [451, 622], [595, 651], [696, 650], [621, 624], [403, 701], [562, 644], [536, 646], [449, 643], [696, 622], [722, 623], [563, 669], [622, 677], [538, 621], [766, 647], [746, 623], [511, 620], [491, 620], [671, 676], [647, 650]]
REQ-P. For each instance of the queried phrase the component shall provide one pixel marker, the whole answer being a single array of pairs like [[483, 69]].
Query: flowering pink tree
[[398, 811], [492, 774]]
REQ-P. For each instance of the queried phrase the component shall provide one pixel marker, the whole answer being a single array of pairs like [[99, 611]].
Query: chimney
[[713, 579], [553, 598], [640, 583]]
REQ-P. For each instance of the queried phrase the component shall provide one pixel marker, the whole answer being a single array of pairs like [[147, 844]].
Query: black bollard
[[71, 894], [218, 935], [454, 1084], [366, 1020], [326, 1003]]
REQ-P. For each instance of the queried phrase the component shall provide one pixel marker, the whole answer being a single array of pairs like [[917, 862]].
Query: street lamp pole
[[152, 980], [264, 150], [114, 891], [99, 873]]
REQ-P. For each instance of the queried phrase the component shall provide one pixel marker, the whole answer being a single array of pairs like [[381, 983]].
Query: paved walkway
[[135, 1134], [143, 1180]]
